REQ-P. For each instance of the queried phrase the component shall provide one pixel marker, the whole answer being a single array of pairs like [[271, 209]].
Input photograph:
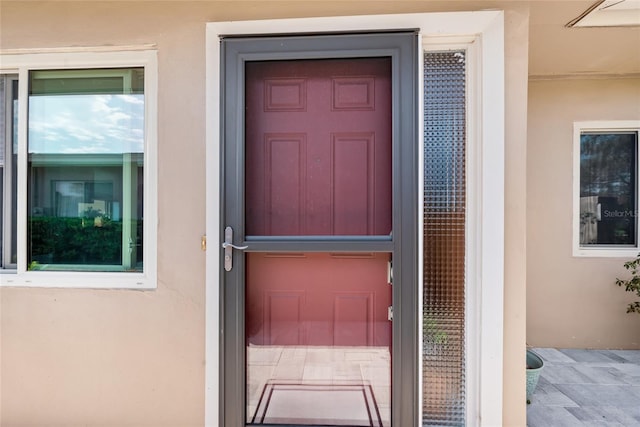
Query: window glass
[[608, 201], [3, 134], [8, 170], [13, 156], [86, 166]]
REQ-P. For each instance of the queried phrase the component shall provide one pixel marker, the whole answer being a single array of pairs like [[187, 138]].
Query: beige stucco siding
[[118, 357], [88, 357], [571, 301]]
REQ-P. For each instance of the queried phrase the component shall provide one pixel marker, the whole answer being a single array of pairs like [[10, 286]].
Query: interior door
[[312, 177]]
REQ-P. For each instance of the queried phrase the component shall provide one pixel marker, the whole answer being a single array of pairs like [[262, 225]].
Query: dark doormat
[[352, 405]]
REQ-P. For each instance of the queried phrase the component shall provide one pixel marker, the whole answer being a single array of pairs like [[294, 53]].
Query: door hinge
[[390, 313], [203, 243], [390, 272]]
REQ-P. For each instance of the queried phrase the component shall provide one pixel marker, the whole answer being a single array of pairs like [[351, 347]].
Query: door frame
[[401, 49], [483, 34]]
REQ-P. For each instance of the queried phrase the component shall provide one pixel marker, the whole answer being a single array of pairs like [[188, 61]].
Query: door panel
[[317, 324], [320, 187], [318, 147], [321, 299]]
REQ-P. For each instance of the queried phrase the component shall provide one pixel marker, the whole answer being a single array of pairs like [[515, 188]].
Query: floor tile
[[543, 416], [630, 356], [600, 395], [317, 372], [553, 355], [580, 355], [319, 366], [601, 374], [564, 374], [547, 394], [592, 388], [576, 387], [604, 415], [631, 369], [635, 390]]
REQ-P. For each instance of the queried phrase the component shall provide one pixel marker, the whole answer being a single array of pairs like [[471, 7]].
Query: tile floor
[[586, 388], [576, 387], [318, 365]]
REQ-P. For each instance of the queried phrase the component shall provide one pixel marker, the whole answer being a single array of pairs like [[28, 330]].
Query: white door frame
[[483, 35]]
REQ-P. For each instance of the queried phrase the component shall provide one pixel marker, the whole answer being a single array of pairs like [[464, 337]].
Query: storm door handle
[[228, 247]]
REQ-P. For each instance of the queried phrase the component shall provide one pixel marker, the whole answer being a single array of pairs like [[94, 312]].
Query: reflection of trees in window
[[608, 188]]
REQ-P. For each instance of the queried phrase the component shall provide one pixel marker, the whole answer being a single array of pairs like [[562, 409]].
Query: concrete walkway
[[586, 388]]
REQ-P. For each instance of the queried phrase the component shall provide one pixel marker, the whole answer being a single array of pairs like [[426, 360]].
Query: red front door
[[318, 147], [318, 163]]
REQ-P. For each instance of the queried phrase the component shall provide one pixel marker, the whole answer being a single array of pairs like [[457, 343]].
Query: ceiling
[[557, 50], [607, 13]]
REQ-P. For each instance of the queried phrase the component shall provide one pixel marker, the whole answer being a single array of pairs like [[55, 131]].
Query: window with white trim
[[606, 188], [78, 198]]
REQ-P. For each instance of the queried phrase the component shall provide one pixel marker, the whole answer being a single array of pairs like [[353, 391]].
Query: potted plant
[[534, 367]]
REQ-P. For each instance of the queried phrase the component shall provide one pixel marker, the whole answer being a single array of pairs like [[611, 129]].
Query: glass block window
[[443, 352]]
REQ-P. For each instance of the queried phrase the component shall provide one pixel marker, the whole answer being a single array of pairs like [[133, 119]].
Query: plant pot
[[534, 367]]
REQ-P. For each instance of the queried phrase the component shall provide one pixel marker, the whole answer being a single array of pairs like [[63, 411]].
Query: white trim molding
[[21, 62], [482, 33], [602, 126], [78, 49]]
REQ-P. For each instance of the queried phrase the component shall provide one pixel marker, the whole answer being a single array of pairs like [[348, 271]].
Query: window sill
[[604, 252], [77, 280]]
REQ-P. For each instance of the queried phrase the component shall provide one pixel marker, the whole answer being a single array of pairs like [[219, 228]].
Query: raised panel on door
[[323, 299], [318, 147]]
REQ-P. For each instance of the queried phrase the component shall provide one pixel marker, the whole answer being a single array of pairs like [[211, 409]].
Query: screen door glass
[[318, 163]]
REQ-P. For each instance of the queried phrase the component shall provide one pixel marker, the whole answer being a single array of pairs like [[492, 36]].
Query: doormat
[[352, 405]]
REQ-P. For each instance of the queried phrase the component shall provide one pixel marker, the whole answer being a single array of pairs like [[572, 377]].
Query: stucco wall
[[87, 357], [571, 301]]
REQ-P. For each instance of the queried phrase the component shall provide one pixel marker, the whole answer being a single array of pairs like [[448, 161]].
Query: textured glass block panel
[[443, 357]]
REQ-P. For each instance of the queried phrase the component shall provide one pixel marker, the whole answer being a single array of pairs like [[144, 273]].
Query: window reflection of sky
[[86, 124]]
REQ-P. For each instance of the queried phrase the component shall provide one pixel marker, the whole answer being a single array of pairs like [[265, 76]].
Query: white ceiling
[[610, 13], [556, 50]]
